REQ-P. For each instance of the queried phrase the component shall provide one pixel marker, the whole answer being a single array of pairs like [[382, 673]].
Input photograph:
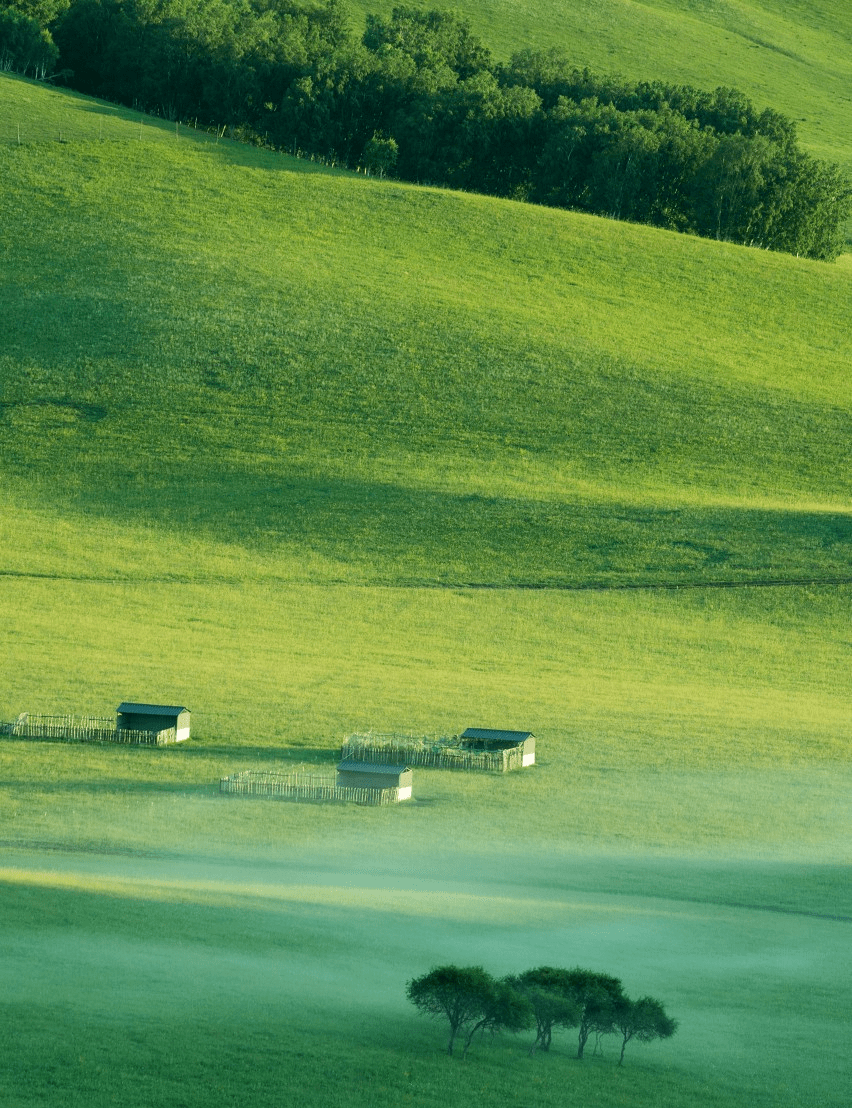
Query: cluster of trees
[[543, 999], [418, 94], [26, 45]]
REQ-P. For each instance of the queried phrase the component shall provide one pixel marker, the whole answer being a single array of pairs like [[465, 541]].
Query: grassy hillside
[[224, 373], [794, 57], [383, 383], [310, 452]]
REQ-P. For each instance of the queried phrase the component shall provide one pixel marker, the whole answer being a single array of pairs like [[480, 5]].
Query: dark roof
[[150, 709], [370, 767], [500, 736]]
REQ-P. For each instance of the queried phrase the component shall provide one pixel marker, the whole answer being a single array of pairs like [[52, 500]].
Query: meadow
[[312, 453]]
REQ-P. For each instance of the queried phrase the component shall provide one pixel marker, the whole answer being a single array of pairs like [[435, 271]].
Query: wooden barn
[[154, 717], [371, 775], [485, 738]]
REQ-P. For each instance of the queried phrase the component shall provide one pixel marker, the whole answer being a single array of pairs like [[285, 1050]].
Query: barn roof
[[501, 736], [370, 767], [150, 709]]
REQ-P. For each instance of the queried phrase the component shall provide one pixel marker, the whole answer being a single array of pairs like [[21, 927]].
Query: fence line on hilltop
[[104, 127], [152, 129]]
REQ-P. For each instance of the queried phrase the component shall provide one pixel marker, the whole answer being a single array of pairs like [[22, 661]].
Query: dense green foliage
[[794, 57], [474, 1002], [471, 1001], [423, 85], [25, 45]]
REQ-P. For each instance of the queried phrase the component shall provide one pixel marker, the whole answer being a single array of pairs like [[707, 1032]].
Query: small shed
[[486, 738], [153, 717], [369, 775]]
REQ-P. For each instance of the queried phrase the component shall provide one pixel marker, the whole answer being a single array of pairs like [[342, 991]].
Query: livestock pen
[[83, 729], [441, 752], [304, 787]]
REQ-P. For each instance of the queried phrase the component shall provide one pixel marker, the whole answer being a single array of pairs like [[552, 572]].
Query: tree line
[[544, 999], [417, 94]]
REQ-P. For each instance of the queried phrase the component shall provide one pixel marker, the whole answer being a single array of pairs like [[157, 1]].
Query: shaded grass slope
[[389, 384]]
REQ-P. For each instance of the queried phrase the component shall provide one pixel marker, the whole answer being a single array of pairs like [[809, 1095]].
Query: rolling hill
[[225, 369], [310, 453]]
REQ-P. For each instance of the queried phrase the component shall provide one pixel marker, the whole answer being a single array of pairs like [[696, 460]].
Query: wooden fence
[[86, 729], [302, 786], [439, 753]]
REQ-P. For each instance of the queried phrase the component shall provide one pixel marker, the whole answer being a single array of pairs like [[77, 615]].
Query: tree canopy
[[25, 46], [545, 998], [470, 1000], [644, 1019], [552, 999]]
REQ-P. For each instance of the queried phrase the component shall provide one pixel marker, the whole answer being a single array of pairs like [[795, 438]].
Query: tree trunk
[[476, 1027]]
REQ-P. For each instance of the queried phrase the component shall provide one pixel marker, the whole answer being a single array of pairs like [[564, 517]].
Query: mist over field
[[327, 944]]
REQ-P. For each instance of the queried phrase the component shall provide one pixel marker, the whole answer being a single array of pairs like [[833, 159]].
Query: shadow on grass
[[384, 533], [108, 785], [222, 476]]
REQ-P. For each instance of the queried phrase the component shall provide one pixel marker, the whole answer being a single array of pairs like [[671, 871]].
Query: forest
[[418, 96]]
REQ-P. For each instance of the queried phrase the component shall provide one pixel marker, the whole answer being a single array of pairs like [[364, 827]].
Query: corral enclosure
[[315, 787], [477, 749], [490, 738], [86, 729]]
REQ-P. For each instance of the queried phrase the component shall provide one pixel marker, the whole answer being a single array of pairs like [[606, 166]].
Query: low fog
[[334, 938]]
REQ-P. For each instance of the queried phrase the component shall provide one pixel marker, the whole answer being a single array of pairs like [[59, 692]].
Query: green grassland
[[310, 453], [269, 983]]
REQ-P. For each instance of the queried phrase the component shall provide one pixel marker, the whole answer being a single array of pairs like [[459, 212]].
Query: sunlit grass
[[329, 378], [714, 721]]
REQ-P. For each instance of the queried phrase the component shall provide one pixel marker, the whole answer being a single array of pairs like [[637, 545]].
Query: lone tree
[[553, 1001], [644, 1019], [460, 994]]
